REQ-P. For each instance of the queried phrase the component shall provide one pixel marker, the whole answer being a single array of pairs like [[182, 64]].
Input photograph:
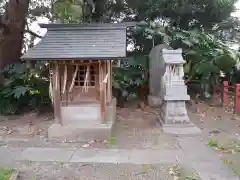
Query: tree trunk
[[12, 26]]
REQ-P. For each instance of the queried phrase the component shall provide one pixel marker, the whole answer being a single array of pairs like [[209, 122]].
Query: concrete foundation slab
[[7, 155], [46, 154], [161, 157], [101, 156], [133, 156], [204, 160]]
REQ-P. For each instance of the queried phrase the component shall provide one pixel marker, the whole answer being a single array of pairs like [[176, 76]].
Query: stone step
[[83, 131], [73, 114]]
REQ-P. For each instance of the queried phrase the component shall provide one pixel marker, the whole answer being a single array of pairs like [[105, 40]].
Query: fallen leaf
[[175, 178], [216, 131], [91, 142], [9, 132], [65, 141], [171, 172], [85, 145]]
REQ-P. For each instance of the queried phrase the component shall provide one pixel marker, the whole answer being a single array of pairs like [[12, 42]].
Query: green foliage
[[21, 88], [75, 11], [184, 14], [212, 143], [112, 140], [5, 174], [206, 57], [181, 13], [68, 11], [206, 54], [130, 77]]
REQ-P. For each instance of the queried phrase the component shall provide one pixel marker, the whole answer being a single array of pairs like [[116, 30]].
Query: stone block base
[[173, 112], [181, 130], [83, 132], [154, 101], [174, 119], [85, 129]]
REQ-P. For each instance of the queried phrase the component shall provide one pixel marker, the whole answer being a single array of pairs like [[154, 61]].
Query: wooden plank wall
[[63, 84]]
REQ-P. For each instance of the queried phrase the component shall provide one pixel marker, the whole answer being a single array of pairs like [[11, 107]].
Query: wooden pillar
[[111, 78], [56, 94], [101, 90], [225, 93], [237, 99], [64, 87], [109, 95], [104, 90], [102, 70]]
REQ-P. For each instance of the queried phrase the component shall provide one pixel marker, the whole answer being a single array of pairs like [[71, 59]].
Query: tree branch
[[32, 33], [3, 26]]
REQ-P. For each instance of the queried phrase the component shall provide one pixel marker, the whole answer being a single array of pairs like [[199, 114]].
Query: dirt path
[[135, 129], [76, 171], [221, 131]]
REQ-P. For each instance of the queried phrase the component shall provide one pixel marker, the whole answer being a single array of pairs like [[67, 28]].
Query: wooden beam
[[73, 79], [64, 79], [84, 62], [64, 87]]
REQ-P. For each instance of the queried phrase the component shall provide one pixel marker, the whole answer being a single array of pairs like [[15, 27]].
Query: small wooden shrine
[[80, 58]]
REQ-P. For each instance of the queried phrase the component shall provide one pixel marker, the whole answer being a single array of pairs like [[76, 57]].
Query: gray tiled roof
[[72, 41]]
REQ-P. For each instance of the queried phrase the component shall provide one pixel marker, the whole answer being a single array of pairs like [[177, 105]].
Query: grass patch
[[5, 174], [212, 143], [231, 147], [148, 167], [235, 168], [112, 140], [183, 173], [234, 163]]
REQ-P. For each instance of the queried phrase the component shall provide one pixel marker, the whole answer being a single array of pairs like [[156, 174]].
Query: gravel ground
[[76, 171], [135, 129]]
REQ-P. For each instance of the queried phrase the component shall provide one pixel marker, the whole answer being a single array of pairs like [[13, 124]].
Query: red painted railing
[[227, 91]]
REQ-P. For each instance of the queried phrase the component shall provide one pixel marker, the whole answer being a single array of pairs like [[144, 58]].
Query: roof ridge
[[123, 25]]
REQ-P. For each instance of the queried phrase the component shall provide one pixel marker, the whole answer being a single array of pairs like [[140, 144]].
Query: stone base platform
[[181, 130], [85, 131], [82, 123]]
